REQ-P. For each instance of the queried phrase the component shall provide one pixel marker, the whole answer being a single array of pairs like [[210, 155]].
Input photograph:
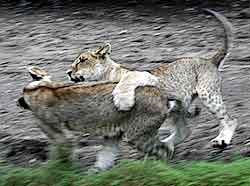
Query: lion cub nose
[[82, 78], [69, 72]]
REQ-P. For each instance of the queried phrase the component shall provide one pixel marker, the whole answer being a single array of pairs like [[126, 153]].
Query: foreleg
[[60, 146], [107, 156], [124, 92]]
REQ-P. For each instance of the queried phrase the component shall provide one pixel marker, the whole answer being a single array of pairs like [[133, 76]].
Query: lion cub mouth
[[75, 79]]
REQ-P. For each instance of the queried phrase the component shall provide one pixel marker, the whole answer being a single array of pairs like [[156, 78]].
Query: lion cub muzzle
[[74, 78]]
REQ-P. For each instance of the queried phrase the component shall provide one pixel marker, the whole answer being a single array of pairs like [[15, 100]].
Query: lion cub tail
[[219, 58]]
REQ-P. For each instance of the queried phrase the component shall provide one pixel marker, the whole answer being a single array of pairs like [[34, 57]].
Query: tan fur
[[88, 108]]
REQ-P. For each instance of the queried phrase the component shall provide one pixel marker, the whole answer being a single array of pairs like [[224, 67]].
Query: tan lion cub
[[88, 108], [183, 80]]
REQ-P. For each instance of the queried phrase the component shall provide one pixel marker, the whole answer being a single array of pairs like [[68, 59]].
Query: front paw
[[123, 102], [219, 142]]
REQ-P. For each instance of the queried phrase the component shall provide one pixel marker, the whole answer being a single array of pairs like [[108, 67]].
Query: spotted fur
[[182, 81]]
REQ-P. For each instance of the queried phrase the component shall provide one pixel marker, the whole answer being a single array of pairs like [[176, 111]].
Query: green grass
[[132, 173]]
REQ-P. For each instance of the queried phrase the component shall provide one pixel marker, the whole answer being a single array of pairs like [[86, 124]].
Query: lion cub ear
[[103, 50], [37, 73]]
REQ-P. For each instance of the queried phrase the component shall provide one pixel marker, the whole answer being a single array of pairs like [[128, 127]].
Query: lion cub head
[[91, 65], [38, 76]]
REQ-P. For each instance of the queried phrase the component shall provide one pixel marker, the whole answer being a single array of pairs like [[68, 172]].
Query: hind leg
[[175, 105], [174, 130], [211, 97]]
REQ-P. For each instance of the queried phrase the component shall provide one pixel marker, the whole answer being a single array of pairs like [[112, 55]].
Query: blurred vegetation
[[131, 173]]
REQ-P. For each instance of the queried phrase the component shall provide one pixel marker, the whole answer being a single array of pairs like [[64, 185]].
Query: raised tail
[[219, 58]]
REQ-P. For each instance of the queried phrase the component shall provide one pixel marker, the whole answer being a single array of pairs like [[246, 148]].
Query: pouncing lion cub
[[183, 80]]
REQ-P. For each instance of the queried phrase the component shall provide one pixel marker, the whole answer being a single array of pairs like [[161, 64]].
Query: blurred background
[[143, 33]]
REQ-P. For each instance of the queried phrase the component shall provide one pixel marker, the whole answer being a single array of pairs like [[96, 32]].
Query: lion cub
[[183, 80]]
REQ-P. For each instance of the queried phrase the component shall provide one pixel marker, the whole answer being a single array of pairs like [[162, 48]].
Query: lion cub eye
[[81, 59]]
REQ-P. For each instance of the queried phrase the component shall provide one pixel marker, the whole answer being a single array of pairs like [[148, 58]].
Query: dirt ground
[[142, 36]]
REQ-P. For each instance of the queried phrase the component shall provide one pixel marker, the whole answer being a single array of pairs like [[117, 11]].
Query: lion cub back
[[87, 106]]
